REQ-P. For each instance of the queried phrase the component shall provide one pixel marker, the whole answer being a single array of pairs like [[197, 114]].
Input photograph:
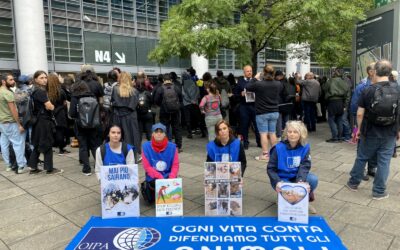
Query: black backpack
[[88, 112], [124, 150], [384, 104], [170, 99], [144, 105]]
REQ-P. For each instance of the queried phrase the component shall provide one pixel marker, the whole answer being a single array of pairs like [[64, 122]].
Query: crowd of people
[[109, 119]]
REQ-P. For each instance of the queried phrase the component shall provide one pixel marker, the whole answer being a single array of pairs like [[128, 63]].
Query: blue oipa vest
[[162, 161], [112, 158], [289, 159], [228, 152]]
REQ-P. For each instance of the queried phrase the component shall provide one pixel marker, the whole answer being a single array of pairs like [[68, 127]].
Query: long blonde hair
[[125, 85], [300, 128]]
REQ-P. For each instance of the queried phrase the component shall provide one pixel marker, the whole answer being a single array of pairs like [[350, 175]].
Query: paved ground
[[45, 212]]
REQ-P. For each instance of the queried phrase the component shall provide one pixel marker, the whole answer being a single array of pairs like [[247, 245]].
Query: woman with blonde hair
[[58, 97], [290, 160], [124, 101]]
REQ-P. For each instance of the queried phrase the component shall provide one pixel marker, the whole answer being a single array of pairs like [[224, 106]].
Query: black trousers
[[60, 137], [145, 122], [192, 117], [173, 120], [89, 141], [48, 159]]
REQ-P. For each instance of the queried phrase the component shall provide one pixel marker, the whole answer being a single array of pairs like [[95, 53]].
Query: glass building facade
[[73, 26]]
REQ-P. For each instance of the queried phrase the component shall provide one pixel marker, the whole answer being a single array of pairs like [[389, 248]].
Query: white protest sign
[[293, 203], [119, 191]]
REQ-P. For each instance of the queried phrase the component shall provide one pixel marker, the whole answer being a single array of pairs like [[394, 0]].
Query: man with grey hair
[[378, 122]]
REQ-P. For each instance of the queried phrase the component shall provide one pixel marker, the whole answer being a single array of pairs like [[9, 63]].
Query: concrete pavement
[[45, 212]]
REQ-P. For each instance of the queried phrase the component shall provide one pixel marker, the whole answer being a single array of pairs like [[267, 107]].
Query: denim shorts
[[266, 123]]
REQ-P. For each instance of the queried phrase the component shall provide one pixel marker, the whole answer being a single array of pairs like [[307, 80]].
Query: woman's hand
[[278, 187]]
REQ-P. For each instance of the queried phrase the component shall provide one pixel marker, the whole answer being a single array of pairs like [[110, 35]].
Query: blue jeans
[[346, 127], [310, 118], [369, 147], [10, 134], [266, 123], [336, 125]]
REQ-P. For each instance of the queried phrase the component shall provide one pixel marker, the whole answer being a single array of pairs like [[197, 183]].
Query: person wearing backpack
[[378, 123], [210, 105], [84, 108], [225, 91], [144, 112], [44, 128], [169, 98], [114, 152]]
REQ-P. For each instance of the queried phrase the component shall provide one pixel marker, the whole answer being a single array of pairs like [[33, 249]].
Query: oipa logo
[[107, 238], [137, 238]]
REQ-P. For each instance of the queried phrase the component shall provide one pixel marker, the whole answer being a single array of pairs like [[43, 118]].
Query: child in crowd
[[290, 160], [160, 160], [114, 152]]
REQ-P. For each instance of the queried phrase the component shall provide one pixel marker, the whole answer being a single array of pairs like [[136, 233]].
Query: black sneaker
[[371, 173], [366, 178], [332, 140], [35, 171], [180, 150], [55, 171], [246, 146], [87, 172], [63, 152], [189, 136], [352, 187]]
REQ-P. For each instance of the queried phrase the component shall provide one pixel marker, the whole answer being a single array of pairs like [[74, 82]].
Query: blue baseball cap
[[158, 126]]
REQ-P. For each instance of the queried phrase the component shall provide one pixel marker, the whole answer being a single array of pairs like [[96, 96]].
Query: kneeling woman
[[290, 160], [114, 152], [160, 160], [225, 147]]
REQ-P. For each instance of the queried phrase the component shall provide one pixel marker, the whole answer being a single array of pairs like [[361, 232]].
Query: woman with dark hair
[[225, 147], [210, 107], [112, 80], [58, 97], [44, 127], [114, 152], [267, 92], [124, 101], [145, 115]]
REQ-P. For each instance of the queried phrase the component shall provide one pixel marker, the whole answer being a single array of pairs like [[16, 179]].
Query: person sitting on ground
[[226, 147], [290, 160], [114, 152], [160, 160]]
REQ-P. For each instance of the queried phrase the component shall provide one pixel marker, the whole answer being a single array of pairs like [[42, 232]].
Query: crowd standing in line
[[109, 120]]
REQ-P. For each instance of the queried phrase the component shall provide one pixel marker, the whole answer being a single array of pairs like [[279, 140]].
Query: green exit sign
[[380, 3]]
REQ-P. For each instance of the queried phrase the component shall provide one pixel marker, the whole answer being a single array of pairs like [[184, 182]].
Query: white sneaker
[[21, 170], [9, 168]]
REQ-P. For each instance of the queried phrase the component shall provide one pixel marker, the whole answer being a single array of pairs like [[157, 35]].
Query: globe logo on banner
[[137, 238]]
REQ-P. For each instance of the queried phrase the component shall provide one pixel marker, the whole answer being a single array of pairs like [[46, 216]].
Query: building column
[[30, 35], [200, 64], [297, 59]]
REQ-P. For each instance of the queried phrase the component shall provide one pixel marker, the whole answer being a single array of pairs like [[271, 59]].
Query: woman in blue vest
[[160, 160], [226, 147], [290, 160], [114, 152]]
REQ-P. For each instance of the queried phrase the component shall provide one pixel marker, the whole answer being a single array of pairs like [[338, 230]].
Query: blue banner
[[205, 233]]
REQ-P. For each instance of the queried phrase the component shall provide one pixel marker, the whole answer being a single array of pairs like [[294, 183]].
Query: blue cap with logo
[[158, 126]]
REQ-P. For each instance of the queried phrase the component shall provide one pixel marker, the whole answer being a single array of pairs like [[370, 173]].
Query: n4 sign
[[102, 56]]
